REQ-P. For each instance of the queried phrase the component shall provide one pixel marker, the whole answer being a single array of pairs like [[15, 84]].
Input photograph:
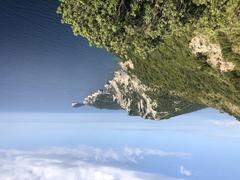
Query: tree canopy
[[156, 36], [139, 26]]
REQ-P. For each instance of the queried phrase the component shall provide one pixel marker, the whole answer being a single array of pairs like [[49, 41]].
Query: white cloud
[[29, 168], [82, 163], [185, 171], [138, 152], [87, 153], [225, 123]]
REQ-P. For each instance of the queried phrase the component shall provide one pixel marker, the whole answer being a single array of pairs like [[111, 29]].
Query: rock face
[[131, 94], [101, 99], [201, 46], [127, 92]]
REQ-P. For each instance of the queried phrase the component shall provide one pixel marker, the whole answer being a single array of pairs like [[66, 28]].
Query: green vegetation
[[174, 70], [155, 35]]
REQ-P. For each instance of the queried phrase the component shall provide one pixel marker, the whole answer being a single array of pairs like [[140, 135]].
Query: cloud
[[228, 123], [87, 153], [185, 171], [82, 163], [25, 168], [152, 152]]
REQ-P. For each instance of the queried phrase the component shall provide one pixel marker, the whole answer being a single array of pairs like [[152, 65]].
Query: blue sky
[[43, 66], [199, 145]]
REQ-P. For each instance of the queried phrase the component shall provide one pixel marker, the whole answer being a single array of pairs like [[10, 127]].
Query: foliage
[[124, 26], [173, 70], [155, 35]]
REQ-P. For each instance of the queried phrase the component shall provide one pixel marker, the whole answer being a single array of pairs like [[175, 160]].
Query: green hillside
[[187, 49]]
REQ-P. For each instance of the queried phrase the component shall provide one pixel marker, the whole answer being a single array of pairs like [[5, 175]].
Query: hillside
[[126, 91], [184, 51]]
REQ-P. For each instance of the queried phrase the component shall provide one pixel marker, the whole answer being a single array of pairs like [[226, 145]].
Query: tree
[[139, 26], [156, 34]]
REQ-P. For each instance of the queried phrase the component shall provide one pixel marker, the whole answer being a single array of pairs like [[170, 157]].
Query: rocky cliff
[[127, 92]]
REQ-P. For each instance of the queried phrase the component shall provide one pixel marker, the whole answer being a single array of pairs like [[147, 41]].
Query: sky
[[43, 66], [203, 145]]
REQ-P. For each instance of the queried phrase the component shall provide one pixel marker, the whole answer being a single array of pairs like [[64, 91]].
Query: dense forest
[[187, 49]]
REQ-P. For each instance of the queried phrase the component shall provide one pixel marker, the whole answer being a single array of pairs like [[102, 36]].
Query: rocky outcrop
[[101, 99], [201, 46], [131, 94], [127, 92]]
